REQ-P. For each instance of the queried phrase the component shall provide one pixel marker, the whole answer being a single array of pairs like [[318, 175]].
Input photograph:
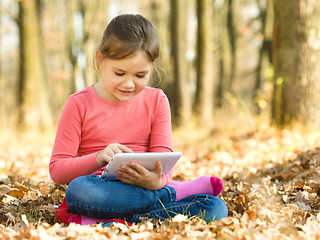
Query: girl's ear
[[99, 58]]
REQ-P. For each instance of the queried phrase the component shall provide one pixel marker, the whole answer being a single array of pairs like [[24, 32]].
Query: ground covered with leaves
[[271, 187]]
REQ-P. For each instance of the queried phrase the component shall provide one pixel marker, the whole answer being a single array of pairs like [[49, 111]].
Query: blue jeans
[[107, 198]]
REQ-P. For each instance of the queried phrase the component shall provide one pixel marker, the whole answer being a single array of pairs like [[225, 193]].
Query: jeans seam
[[193, 203], [101, 210], [171, 198]]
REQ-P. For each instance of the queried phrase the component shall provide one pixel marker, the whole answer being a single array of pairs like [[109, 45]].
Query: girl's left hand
[[141, 177]]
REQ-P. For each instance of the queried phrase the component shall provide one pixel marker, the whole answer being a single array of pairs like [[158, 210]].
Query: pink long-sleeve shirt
[[89, 123]]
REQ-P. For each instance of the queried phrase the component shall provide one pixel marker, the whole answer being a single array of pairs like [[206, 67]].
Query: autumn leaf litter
[[271, 179]]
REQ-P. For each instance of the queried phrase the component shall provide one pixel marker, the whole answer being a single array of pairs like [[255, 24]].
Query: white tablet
[[147, 160]]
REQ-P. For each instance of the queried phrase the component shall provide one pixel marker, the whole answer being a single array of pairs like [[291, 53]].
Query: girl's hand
[[139, 176], [104, 156]]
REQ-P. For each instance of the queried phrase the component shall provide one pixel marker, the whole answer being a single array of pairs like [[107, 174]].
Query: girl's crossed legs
[[107, 198]]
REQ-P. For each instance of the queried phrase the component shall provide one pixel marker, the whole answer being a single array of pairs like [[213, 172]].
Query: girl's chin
[[124, 97]]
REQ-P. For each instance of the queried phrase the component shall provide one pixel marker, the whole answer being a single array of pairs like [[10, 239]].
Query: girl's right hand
[[104, 156]]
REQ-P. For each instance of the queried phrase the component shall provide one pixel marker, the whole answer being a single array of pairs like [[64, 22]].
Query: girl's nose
[[128, 83]]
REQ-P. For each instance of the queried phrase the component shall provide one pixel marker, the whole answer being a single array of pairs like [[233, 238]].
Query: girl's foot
[[202, 185]]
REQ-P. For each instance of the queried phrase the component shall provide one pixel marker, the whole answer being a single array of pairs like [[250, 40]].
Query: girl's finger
[[127, 172], [110, 152], [124, 149], [126, 180], [138, 168], [107, 158], [117, 150], [158, 170]]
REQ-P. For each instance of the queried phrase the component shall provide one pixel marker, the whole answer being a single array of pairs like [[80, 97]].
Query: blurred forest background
[[238, 73], [257, 57]]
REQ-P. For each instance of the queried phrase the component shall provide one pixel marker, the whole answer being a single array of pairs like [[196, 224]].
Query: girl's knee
[[81, 189], [216, 209], [79, 184]]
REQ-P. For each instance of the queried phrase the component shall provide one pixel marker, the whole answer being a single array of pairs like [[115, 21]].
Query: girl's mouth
[[126, 92]]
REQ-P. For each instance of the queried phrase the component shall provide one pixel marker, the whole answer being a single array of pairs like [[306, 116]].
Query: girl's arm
[[161, 133], [64, 164]]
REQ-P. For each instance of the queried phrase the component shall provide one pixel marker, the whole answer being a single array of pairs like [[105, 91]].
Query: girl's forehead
[[138, 62]]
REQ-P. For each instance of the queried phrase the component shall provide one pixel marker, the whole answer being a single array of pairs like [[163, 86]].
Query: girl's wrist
[[158, 185], [98, 159]]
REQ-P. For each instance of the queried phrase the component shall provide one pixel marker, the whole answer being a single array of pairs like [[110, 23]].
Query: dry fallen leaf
[[4, 189]]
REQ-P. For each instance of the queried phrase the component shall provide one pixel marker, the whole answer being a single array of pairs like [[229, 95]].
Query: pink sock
[[202, 185], [83, 220]]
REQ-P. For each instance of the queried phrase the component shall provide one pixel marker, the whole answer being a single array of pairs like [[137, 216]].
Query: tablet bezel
[[147, 160]]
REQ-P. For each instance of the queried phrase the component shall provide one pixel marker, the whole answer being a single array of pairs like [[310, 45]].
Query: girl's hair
[[125, 35]]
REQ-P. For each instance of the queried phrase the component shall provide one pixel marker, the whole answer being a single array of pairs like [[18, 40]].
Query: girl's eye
[[141, 76], [119, 74]]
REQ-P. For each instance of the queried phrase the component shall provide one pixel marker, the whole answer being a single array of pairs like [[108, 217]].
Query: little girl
[[121, 114]]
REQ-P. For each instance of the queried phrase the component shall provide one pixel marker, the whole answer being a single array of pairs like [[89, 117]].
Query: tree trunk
[[70, 39], [94, 22], [34, 111], [182, 101], [205, 80], [264, 59], [9, 72], [217, 53], [296, 56], [232, 41], [226, 57], [159, 17]]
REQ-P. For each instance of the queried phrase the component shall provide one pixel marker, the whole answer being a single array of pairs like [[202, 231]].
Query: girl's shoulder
[[153, 92], [83, 96], [81, 93], [154, 98], [80, 100]]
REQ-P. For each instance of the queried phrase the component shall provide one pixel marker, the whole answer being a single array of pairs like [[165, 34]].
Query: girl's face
[[124, 78]]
